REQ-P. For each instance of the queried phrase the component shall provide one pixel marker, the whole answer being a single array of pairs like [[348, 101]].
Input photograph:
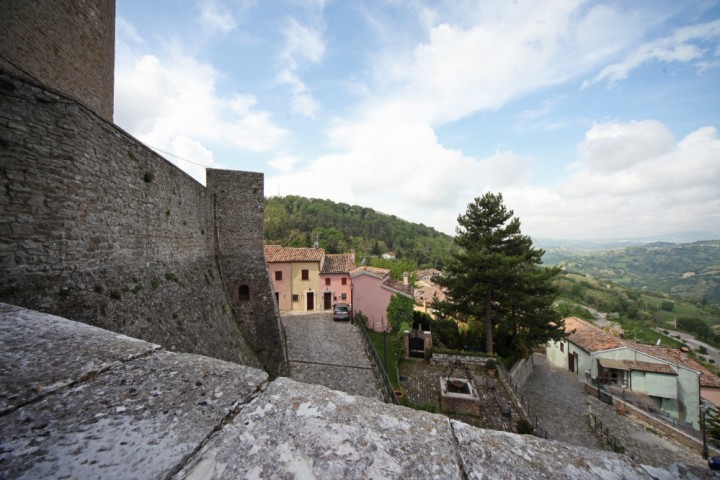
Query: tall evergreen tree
[[496, 276]]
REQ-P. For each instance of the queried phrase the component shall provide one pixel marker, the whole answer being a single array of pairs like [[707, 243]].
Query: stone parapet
[[122, 408]]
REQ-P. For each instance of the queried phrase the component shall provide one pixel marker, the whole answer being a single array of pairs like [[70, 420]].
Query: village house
[[668, 378], [295, 275], [335, 281], [426, 291], [372, 290]]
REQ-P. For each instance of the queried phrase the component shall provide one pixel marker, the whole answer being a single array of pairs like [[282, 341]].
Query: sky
[[594, 119]]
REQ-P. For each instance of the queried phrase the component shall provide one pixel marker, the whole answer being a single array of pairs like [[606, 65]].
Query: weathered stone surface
[[157, 414], [294, 430], [140, 418], [491, 454], [42, 353]]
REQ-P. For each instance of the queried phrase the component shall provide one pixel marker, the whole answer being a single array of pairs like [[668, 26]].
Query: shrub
[[524, 427]]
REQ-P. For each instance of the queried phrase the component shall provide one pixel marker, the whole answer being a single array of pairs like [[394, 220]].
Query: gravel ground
[[558, 397], [329, 353]]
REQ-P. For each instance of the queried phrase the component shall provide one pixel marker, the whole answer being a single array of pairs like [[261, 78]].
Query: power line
[[179, 158]]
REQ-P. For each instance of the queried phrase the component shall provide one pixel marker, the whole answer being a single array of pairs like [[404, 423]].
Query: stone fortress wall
[[66, 44], [98, 228]]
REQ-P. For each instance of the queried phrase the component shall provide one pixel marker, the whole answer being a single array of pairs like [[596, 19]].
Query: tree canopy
[[294, 221], [495, 277]]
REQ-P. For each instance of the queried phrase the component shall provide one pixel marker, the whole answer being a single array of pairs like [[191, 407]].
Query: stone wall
[[98, 228], [68, 45]]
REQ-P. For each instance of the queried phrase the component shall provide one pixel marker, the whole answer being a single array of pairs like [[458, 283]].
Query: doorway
[[310, 300], [327, 300]]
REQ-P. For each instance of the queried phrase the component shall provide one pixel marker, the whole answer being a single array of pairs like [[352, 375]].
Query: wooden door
[[327, 299], [310, 301]]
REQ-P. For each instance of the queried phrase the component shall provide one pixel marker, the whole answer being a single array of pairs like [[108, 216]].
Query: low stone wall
[[666, 429], [522, 370], [445, 358]]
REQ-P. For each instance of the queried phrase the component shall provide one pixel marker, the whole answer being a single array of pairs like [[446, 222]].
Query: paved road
[[329, 353], [557, 396], [694, 343]]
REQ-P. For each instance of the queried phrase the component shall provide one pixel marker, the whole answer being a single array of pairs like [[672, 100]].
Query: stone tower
[[34, 42]]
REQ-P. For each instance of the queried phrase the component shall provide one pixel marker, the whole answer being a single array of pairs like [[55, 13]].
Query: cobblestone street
[[421, 382], [558, 397], [329, 353]]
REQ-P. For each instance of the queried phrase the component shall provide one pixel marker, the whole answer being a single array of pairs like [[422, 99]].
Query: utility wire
[[179, 158]]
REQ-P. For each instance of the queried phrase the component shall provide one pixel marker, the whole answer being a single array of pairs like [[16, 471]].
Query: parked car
[[714, 463], [341, 311]]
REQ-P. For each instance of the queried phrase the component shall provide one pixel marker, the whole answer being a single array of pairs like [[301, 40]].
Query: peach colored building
[[372, 290], [335, 280], [295, 275]]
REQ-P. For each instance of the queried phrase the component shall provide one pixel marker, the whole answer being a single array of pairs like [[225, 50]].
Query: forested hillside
[[294, 221], [686, 270]]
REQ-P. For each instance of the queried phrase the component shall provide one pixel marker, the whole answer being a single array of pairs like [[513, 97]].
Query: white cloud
[[216, 18], [657, 187], [172, 104], [284, 163], [303, 47], [682, 46]]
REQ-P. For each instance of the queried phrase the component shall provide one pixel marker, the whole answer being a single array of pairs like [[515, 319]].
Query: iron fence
[[388, 391], [539, 428], [603, 433]]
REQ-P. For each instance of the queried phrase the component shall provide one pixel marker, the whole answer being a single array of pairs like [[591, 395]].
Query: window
[[278, 275], [344, 296], [327, 281], [562, 347], [244, 293], [306, 274], [344, 281], [296, 298]]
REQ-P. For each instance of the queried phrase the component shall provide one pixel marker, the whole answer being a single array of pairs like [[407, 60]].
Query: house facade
[[426, 291], [295, 275], [670, 380], [372, 290], [335, 281]]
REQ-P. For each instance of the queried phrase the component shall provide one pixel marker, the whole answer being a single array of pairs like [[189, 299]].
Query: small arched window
[[244, 293]]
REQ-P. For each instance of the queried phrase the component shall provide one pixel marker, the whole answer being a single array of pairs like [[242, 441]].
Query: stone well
[[459, 395]]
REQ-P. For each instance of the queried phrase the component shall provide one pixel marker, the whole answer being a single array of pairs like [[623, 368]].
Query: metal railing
[[539, 428], [388, 391], [603, 433]]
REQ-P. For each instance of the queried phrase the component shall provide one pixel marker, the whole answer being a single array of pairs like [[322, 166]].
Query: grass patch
[[395, 352]]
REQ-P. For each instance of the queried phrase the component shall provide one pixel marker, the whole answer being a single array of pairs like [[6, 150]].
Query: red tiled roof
[[278, 254], [380, 272], [399, 287], [650, 367], [338, 263], [589, 337]]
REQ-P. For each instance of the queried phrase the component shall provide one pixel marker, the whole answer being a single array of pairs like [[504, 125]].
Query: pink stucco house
[[335, 280], [372, 290]]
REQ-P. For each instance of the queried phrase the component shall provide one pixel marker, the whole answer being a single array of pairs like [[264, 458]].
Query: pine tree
[[496, 277]]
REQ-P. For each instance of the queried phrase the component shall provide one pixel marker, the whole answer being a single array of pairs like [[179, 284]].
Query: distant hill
[[298, 221], [686, 270]]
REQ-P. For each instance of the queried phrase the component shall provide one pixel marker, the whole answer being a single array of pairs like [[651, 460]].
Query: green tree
[[400, 312], [495, 276]]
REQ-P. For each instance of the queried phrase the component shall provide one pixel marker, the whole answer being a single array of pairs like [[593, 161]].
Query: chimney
[[684, 352], [406, 277]]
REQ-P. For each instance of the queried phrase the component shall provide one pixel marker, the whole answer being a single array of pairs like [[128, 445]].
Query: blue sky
[[594, 119]]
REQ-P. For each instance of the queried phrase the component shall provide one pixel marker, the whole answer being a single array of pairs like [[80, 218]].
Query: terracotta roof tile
[[381, 272], [338, 263], [278, 254], [651, 367], [589, 337], [397, 286]]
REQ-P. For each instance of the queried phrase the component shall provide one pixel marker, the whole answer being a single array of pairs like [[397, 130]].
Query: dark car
[[714, 463], [341, 311]]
